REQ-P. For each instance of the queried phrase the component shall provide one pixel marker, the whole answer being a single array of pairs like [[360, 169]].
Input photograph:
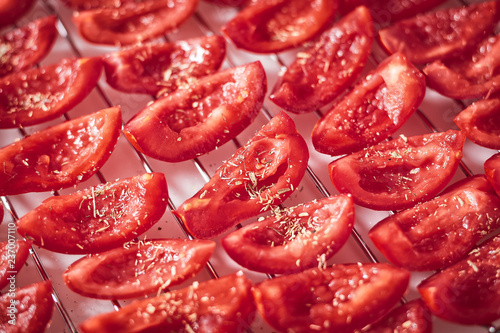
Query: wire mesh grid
[[186, 178]]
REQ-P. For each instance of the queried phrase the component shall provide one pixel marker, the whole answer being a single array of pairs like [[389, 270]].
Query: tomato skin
[[340, 298], [12, 10], [278, 25], [428, 237], [98, 218], [12, 258], [222, 305], [467, 291], [192, 122], [492, 171], [441, 34], [376, 107], [53, 90], [138, 269], [319, 74], [34, 310], [258, 176], [40, 162], [158, 69], [280, 243], [399, 173], [133, 22]]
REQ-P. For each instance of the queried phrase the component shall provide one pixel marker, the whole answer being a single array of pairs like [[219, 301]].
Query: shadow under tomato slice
[[221, 305], [294, 239], [340, 298], [98, 218], [161, 68], [323, 71], [277, 25], [40, 94], [13, 255], [258, 177], [60, 156], [399, 173], [194, 121], [492, 170]]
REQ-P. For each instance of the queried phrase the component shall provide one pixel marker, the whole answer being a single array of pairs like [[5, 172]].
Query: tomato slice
[[326, 69], [159, 69], [222, 305], [25, 46], [13, 255], [98, 218], [295, 239], [258, 177], [467, 291], [441, 34], [428, 237], [80, 5], [12, 10], [34, 305], [340, 298], [399, 173], [191, 122], [60, 156], [277, 25], [52, 91], [492, 170], [133, 22], [376, 107]]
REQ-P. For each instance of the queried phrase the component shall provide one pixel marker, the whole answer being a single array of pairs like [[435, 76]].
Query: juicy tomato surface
[[340, 298], [412, 317], [159, 69], [133, 22], [60, 156], [467, 291], [399, 173], [52, 91], [12, 10], [428, 237], [191, 122], [277, 25], [81, 5], [25, 46], [492, 170], [138, 268], [326, 69], [441, 34], [98, 218], [34, 306], [481, 122], [373, 110], [294, 239], [222, 305], [474, 74], [13, 255], [258, 177]]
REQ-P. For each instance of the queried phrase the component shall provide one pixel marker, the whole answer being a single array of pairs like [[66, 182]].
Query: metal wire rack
[[184, 179]]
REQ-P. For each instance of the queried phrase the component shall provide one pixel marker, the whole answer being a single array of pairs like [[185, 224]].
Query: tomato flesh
[[492, 170], [13, 255], [12, 10]]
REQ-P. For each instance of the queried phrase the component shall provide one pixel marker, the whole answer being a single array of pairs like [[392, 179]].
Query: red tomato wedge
[[294, 239], [52, 91], [13, 255], [481, 122], [34, 308], [400, 173], [60, 156], [159, 69], [326, 69], [194, 121], [340, 298], [12, 10], [258, 177], [441, 34], [438, 232], [375, 108], [98, 218], [222, 305], [492, 170], [412, 317], [25, 46], [133, 22], [277, 25], [467, 291], [80, 5], [139, 268]]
